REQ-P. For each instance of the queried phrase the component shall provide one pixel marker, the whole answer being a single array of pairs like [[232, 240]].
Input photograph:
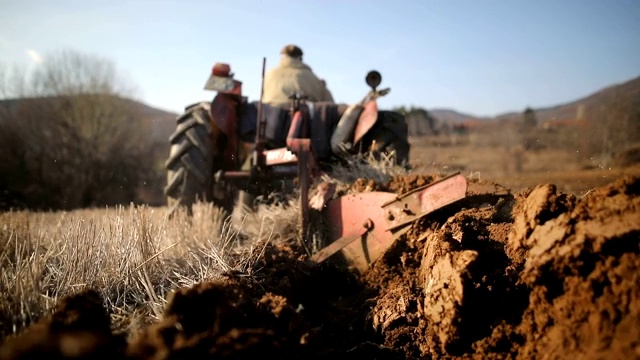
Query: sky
[[478, 57]]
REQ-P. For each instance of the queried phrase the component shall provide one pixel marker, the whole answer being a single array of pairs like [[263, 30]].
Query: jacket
[[290, 76]]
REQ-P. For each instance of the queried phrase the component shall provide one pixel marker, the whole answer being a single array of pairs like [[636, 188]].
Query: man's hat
[[292, 50], [221, 80]]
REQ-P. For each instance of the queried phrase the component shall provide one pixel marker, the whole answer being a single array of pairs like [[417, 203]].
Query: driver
[[291, 76]]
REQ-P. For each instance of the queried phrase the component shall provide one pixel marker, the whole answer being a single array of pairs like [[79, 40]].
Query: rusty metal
[[342, 137], [369, 114], [224, 118], [304, 184], [378, 219], [347, 215], [299, 144], [336, 246], [422, 201], [258, 159], [295, 129], [368, 118]]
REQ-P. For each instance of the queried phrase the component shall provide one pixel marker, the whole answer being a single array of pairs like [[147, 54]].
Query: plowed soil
[[534, 274]]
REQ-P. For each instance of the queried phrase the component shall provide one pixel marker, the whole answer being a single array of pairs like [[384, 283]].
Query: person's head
[[292, 51]]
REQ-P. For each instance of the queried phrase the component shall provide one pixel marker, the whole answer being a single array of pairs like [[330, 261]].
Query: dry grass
[[516, 169], [133, 255], [365, 166]]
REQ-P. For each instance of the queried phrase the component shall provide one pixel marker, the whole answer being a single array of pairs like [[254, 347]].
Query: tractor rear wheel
[[391, 135], [190, 166]]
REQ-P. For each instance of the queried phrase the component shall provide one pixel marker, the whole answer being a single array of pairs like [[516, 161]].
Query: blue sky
[[477, 57]]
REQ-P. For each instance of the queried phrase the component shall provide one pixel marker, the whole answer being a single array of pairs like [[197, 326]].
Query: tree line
[[607, 131], [69, 137]]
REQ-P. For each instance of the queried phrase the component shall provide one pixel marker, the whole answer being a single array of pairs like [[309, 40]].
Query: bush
[[69, 138]]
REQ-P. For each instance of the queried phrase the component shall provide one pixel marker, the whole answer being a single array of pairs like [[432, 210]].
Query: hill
[[452, 116], [161, 122], [619, 99], [623, 98], [610, 103]]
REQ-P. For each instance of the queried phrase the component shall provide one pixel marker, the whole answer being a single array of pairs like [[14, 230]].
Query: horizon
[[490, 59]]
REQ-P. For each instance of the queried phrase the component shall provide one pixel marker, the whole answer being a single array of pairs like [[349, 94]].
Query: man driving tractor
[[214, 154], [293, 76]]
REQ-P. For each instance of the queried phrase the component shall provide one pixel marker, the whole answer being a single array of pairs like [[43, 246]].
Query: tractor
[[233, 152]]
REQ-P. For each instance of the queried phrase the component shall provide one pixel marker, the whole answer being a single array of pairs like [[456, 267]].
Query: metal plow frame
[[363, 226]]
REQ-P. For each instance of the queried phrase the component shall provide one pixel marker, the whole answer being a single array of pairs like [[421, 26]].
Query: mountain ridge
[[616, 100], [623, 96]]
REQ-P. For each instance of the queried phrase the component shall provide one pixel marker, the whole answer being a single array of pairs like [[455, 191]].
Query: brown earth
[[533, 274]]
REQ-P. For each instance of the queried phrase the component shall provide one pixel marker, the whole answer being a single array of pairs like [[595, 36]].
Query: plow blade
[[363, 226]]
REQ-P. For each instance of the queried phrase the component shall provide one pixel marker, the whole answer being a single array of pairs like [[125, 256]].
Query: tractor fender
[[367, 119], [342, 137], [224, 119], [223, 113]]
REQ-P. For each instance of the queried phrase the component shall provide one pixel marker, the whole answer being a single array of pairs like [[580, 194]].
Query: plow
[[232, 152], [363, 226]]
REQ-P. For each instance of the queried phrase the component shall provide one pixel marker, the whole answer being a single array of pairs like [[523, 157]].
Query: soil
[[533, 274]]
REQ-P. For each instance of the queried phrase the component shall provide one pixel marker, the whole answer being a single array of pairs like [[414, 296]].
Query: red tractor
[[230, 144], [231, 150]]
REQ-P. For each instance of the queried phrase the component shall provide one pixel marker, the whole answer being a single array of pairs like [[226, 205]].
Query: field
[[541, 260], [516, 169]]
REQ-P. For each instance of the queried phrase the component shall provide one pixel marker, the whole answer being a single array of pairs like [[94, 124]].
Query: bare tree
[[528, 129], [72, 134], [529, 119]]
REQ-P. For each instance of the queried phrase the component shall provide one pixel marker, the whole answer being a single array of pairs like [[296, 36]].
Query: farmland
[[512, 271]]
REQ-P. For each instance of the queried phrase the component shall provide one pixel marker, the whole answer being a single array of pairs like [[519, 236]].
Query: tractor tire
[[391, 135], [190, 164]]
